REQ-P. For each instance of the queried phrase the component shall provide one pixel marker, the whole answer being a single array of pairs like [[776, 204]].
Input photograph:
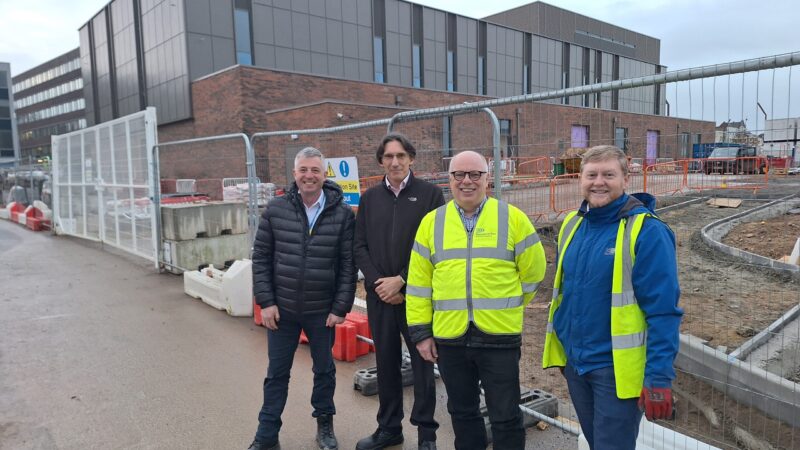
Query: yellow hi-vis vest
[[628, 325], [486, 277]]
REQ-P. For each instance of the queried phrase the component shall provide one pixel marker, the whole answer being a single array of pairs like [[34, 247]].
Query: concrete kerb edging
[[771, 394], [715, 231], [765, 335]]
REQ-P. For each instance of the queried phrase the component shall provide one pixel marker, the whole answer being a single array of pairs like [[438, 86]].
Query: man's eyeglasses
[[474, 175]]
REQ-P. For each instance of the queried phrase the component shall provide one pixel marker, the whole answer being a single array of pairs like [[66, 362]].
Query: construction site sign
[[344, 171]]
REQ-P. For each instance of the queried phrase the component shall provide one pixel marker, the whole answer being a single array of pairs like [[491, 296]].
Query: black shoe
[[264, 446], [427, 445], [379, 439], [325, 437]]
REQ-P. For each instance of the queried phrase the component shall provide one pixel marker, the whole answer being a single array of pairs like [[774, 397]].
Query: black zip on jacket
[[305, 272], [377, 253]]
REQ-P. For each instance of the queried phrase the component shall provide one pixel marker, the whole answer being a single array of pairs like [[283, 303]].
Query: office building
[[9, 145], [48, 100]]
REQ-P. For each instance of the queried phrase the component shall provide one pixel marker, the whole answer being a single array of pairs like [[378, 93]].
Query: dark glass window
[[450, 71], [5, 112], [3, 93], [5, 124], [6, 141], [621, 138], [241, 20], [6, 153], [481, 84], [447, 139], [377, 43], [416, 62]]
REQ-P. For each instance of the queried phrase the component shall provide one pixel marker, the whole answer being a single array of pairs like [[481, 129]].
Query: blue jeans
[[607, 422], [497, 370], [281, 345]]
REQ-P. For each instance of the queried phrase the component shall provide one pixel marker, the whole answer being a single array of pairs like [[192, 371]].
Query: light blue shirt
[[313, 211], [469, 222]]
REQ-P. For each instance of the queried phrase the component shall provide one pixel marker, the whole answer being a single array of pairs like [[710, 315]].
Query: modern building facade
[[9, 145], [136, 53], [48, 100]]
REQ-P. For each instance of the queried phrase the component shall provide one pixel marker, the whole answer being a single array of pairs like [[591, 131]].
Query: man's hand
[[270, 317], [333, 320], [396, 299], [427, 349], [656, 403], [388, 286]]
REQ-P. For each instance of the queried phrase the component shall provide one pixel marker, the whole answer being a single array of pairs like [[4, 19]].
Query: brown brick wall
[[249, 100]]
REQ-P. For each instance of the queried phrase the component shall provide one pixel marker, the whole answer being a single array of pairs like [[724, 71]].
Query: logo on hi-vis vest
[[483, 232]]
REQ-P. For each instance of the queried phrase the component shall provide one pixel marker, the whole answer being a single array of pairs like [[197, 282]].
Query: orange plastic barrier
[[362, 329], [344, 346]]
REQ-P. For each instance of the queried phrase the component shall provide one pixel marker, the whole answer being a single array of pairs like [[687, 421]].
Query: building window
[[447, 140], [241, 21], [506, 147], [450, 71], [652, 147], [621, 138], [580, 136], [416, 62], [683, 145], [481, 83], [377, 43]]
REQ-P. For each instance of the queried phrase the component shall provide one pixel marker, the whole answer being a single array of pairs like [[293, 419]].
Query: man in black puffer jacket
[[304, 278]]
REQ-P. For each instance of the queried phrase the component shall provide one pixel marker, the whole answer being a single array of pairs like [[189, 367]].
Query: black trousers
[[497, 369], [388, 323]]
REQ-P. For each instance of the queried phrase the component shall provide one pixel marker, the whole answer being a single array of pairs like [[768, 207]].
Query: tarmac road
[[98, 350]]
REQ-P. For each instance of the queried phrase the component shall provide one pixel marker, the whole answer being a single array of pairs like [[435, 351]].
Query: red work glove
[[656, 403]]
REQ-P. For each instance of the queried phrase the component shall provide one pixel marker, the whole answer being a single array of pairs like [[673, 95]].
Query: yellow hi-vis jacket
[[486, 277], [628, 325]]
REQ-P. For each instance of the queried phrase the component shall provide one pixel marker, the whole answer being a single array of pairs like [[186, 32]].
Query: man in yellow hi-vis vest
[[614, 320], [475, 264]]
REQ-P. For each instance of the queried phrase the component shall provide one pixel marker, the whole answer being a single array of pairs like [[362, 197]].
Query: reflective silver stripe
[[628, 341], [529, 287], [452, 253], [526, 243], [556, 293], [450, 305], [627, 262], [624, 299], [549, 327], [419, 291], [477, 303], [496, 303], [438, 229], [573, 222], [423, 251], [502, 227], [493, 253]]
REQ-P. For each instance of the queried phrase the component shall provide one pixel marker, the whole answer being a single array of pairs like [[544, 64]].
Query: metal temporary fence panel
[[102, 183]]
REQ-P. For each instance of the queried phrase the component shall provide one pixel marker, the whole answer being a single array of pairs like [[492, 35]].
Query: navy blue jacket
[[583, 321]]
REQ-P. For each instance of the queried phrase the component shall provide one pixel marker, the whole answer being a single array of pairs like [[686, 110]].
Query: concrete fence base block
[[774, 396], [534, 399]]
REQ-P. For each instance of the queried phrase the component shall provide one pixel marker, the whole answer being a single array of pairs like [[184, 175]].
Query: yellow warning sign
[[330, 173]]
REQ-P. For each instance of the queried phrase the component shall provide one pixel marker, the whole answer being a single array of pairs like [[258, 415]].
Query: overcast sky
[[692, 32]]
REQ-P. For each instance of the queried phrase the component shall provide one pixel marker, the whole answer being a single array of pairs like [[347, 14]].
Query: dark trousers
[[388, 323], [281, 345], [607, 422], [497, 369]]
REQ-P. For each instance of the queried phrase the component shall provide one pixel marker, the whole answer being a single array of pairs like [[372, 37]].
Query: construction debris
[[724, 202]]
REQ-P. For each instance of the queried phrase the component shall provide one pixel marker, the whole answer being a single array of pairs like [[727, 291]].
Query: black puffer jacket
[[302, 272]]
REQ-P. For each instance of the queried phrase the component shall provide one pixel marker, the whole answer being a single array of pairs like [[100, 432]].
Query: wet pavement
[[98, 350]]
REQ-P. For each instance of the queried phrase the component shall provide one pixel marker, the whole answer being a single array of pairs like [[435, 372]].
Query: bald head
[[468, 180], [469, 158]]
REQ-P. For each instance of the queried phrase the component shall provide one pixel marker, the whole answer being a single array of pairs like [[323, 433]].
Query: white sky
[[692, 32]]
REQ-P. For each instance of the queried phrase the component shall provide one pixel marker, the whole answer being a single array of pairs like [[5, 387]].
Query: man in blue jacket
[[614, 320]]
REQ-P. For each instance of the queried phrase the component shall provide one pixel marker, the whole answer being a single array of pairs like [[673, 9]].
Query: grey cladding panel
[[336, 66], [222, 18], [365, 44], [285, 4], [223, 53], [392, 45], [334, 37], [333, 9], [302, 61], [200, 60], [318, 35], [316, 7], [300, 6], [440, 25], [365, 70], [351, 69], [365, 13], [350, 40], [404, 18], [319, 63], [283, 28], [391, 16], [404, 48], [300, 31], [284, 59], [198, 16], [263, 25], [265, 55], [428, 23]]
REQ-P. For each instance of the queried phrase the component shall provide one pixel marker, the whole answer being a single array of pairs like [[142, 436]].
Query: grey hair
[[605, 153], [309, 152]]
